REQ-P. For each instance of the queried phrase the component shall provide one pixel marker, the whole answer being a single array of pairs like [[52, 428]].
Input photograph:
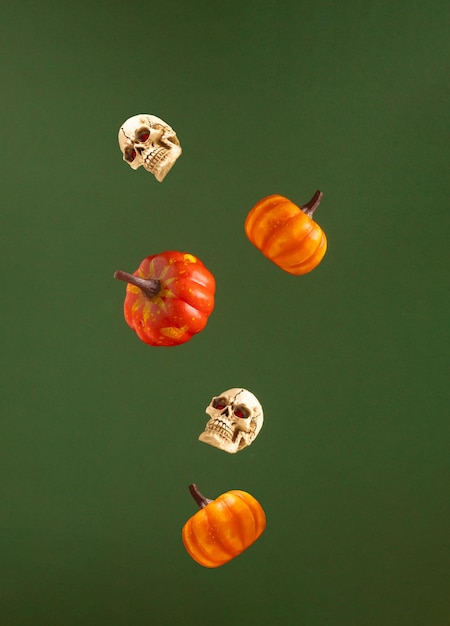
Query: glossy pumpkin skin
[[223, 528], [182, 306], [286, 234]]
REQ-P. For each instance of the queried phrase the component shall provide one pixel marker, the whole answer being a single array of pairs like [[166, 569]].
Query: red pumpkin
[[287, 234], [223, 528], [169, 298]]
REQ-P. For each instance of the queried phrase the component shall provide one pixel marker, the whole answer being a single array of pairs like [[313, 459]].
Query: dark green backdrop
[[99, 431]]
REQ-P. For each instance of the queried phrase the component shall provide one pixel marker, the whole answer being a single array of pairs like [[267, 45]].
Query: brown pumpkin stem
[[150, 286], [198, 497], [312, 205]]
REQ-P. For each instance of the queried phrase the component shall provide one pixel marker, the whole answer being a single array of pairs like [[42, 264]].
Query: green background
[[99, 431]]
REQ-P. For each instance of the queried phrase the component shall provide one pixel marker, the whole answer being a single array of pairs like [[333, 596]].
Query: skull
[[236, 417], [147, 140]]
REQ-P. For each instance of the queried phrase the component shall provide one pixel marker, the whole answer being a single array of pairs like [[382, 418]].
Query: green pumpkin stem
[[150, 286], [200, 500], [312, 204]]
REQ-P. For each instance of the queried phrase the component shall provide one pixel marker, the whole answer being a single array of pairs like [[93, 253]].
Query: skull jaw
[[214, 439], [160, 161]]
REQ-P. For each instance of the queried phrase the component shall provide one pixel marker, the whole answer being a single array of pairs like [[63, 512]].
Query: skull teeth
[[155, 157], [220, 428]]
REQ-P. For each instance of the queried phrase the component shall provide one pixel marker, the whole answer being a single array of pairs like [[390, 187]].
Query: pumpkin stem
[[150, 286], [200, 500], [312, 205]]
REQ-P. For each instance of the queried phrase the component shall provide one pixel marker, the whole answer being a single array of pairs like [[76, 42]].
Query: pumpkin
[[223, 528], [168, 298], [287, 234]]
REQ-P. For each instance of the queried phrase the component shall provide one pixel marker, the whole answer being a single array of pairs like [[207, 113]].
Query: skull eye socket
[[241, 412], [143, 134], [130, 155], [219, 403]]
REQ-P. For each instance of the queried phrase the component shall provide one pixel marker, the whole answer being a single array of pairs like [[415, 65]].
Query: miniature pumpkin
[[223, 528], [169, 298], [287, 234]]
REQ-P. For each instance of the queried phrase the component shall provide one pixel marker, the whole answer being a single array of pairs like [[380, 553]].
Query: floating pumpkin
[[287, 234], [223, 528], [169, 298]]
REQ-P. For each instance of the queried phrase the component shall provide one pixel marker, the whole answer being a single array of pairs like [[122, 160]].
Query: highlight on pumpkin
[[223, 528], [169, 298], [287, 234]]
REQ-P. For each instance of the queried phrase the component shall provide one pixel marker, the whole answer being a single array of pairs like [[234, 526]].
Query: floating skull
[[147, 140], [236, 417]]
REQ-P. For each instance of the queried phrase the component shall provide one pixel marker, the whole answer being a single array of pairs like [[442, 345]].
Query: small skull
[[147, 140], [236, 417]]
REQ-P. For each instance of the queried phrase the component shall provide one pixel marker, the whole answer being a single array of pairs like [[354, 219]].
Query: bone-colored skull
[[236, 417], [147, 140]]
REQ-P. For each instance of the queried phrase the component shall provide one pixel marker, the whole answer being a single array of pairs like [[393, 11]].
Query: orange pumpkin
[[287, 234], [169, 298], [223, 528]]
